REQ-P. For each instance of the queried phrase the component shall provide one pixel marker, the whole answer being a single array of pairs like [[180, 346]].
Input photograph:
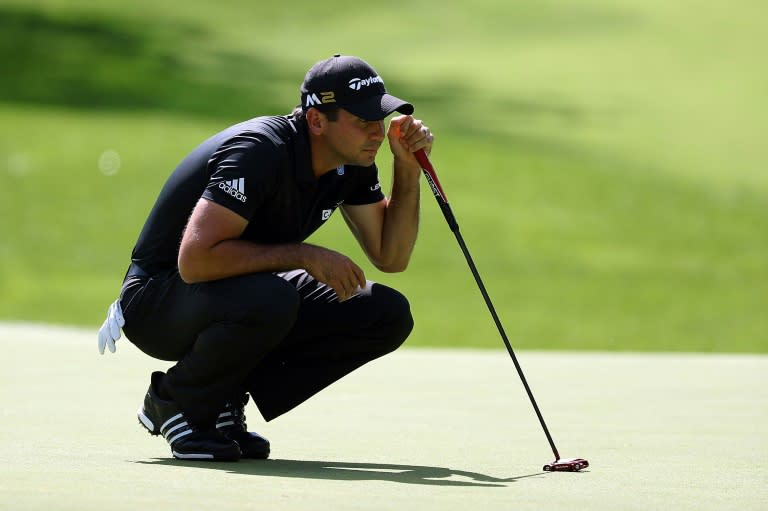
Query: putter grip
[[437, 189], [431, 175]]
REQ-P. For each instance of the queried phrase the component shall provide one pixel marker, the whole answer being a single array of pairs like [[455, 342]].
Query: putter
[[560, 464]]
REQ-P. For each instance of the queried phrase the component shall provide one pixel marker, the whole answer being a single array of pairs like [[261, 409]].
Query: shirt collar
[[303, 156], [302, 153]]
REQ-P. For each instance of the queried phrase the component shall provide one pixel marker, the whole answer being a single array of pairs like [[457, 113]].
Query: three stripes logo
[[235, 188]]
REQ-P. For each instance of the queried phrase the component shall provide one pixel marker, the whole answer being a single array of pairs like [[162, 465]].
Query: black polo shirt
[[262, 170]]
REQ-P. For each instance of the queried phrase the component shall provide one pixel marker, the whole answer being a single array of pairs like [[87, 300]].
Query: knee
[[397, 321]]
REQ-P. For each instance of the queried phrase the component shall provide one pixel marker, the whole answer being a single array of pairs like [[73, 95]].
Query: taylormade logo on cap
[[357, 83]]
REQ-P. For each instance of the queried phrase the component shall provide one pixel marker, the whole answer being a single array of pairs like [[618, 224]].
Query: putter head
[[566, 465]]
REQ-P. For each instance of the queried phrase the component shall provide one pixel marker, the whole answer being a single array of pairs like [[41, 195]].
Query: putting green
[[420, 429]]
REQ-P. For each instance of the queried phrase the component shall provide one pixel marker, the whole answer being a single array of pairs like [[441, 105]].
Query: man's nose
[[377, 130]]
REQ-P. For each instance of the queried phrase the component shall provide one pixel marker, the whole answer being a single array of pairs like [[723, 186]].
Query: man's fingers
[[361, 282], [115, 319], [106, 336], [116, 312], [357, 280], [399, 125], [346, 290], [411, 133], [349, 288], [338, 272], [103, 335], [420, 137], [114, 328], [119, 313], [353, 286], [341, 292]]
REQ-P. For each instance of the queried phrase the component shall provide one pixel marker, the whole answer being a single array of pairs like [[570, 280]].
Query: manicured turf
[[605, 160], [420, 429]]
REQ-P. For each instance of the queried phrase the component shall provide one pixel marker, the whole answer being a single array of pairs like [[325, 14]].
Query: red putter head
[[567, 465]]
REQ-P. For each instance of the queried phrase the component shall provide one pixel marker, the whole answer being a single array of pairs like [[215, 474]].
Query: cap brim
[[378, 107]]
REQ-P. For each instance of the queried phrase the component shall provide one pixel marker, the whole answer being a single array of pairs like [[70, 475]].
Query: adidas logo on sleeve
[[235, 188]]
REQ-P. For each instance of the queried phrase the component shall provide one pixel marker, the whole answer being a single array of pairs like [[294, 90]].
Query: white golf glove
[[110, 329]]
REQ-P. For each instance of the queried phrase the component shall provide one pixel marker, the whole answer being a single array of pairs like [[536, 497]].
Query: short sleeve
[[366, 189], [243, 172]]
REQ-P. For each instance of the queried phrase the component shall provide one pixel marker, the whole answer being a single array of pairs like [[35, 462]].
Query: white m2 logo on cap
[[325, 97]]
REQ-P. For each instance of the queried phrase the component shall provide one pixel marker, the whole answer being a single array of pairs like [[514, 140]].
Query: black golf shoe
[[162, 417], [231, 423]]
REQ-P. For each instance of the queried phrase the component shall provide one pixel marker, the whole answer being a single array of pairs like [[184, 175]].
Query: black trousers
[[281, 337]]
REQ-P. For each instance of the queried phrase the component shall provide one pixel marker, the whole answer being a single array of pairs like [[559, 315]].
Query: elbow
[[395, 263], [395, 269], [392, 267], [189, 278], [189, 272], [188, 275]]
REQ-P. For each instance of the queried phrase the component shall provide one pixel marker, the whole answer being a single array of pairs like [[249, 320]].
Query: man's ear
[[316, 120]]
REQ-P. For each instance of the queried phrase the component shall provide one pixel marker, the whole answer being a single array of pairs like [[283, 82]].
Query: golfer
[[222, 284]]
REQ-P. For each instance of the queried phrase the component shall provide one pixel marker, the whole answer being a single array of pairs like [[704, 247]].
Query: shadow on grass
[[349, 471]]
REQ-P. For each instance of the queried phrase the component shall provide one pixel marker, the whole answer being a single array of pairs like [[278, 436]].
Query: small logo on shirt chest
[[326, 213]]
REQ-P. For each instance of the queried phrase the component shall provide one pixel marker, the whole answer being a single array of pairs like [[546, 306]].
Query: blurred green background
[[605, 159]]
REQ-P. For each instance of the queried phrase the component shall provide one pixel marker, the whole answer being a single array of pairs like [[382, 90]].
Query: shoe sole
[[199, 456]]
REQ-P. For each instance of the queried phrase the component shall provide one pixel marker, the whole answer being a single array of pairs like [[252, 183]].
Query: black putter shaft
[[442, 201]]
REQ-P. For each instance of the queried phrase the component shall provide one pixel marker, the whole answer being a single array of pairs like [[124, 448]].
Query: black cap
[[352, 84]]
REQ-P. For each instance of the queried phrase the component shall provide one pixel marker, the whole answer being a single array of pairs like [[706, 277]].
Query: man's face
[[355, 140]]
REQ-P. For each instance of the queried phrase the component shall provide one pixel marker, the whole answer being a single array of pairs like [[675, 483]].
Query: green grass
[[604, 159]]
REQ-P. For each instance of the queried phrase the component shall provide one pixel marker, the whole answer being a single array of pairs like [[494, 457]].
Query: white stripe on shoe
[[177, 426], [183, 433], [175, 417]]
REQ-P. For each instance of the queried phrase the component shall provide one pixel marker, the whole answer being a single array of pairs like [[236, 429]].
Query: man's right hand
[[335, 270]]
